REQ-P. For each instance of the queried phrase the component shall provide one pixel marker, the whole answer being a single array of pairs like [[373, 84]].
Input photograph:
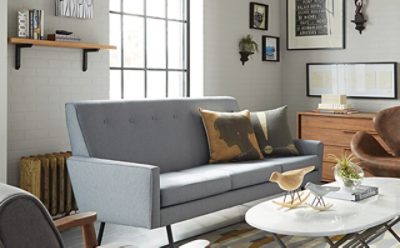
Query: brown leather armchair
[[376, 160]]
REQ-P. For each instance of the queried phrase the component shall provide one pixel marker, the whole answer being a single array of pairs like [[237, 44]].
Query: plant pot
[[350, 178], [244, 56]]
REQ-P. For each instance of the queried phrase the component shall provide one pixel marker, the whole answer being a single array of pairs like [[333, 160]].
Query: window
[[152, 60]]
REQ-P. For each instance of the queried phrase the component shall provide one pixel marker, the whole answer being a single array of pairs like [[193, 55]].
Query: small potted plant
[[348, 173], [247, 47]]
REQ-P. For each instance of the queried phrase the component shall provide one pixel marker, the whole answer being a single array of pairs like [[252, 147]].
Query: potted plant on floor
[[247, 47]]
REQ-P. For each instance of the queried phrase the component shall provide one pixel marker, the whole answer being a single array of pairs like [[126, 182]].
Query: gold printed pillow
[[230, 136]]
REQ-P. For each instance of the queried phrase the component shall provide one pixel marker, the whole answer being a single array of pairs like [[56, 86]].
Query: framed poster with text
[[315, 24]]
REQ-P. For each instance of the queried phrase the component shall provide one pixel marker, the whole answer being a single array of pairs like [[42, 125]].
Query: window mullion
[[122, 51], [145, 47], [185, 43], [186, 53], [166, 50]]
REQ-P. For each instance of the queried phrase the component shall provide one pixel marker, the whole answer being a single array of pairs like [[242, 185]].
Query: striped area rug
[[244, 236]]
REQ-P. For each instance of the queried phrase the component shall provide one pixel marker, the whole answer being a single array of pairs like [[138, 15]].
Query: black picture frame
[[339, 4], [265, 16], [270, 56], [395, 72]]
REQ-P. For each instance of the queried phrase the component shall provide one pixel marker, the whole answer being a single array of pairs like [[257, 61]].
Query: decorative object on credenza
[[31, 24], [359, 18], [270, 48], [258, 16], [307, 30], [335, 104], [247, 47], [291, 181], [370, 80], [348, 173], [82, 9], [319, 192]]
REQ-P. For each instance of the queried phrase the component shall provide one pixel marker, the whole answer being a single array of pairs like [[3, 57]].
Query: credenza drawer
[[328, 136], [358, 124]]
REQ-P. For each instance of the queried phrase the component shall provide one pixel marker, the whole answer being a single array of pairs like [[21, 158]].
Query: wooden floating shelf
[[28, 43]]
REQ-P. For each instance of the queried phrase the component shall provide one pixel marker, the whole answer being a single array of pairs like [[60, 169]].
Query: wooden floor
[[156, 238]]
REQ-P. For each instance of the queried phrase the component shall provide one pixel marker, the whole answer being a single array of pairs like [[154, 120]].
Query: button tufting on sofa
[[155, 172]]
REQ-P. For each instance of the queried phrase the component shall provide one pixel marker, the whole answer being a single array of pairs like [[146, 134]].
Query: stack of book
[[63, 37], [31, 24], [359, 194], [335, 104]]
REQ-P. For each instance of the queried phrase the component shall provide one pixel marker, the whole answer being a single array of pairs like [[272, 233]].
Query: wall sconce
[[359, 18], [247, 47]]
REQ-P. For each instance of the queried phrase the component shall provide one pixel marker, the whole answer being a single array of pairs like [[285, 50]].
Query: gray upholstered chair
[[25, 222]]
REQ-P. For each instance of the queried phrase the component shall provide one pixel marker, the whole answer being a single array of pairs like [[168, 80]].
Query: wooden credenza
[[335, 131]]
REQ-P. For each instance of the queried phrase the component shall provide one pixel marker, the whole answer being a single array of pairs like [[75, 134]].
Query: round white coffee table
[[359, 222]]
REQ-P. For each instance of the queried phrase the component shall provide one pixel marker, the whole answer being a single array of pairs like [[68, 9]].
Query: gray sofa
[[145, 163]]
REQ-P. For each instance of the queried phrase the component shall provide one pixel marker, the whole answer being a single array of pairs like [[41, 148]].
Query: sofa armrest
[[311, 147], [120, 192]]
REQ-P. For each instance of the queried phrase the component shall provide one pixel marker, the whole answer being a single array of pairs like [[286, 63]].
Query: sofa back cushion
[[167, 133]]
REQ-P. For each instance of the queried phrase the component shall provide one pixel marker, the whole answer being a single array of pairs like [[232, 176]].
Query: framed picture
[[317, 24], [258, 16], [270, 48], [356, 80], [82, 9]]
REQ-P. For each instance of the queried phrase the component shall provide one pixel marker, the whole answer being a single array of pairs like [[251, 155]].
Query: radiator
[[46, 177]]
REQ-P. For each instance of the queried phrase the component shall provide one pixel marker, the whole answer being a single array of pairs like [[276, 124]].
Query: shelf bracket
[[85, 57], [18, 48]]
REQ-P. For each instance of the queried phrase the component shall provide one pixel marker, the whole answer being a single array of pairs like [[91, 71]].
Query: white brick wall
[[3, 90], [48, 78], [257, 85]]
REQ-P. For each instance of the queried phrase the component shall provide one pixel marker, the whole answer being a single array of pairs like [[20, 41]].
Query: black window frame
[[145, 69]]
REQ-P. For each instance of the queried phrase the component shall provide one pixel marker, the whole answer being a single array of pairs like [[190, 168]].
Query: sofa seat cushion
[[250, 173], [184, 186]]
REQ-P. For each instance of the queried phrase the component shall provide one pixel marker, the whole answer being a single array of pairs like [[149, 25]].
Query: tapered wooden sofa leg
[[170, 237]]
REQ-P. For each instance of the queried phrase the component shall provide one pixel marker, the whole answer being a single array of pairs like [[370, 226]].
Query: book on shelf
[[23, 23], [359, 194], [31, 24], [62, 37]]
